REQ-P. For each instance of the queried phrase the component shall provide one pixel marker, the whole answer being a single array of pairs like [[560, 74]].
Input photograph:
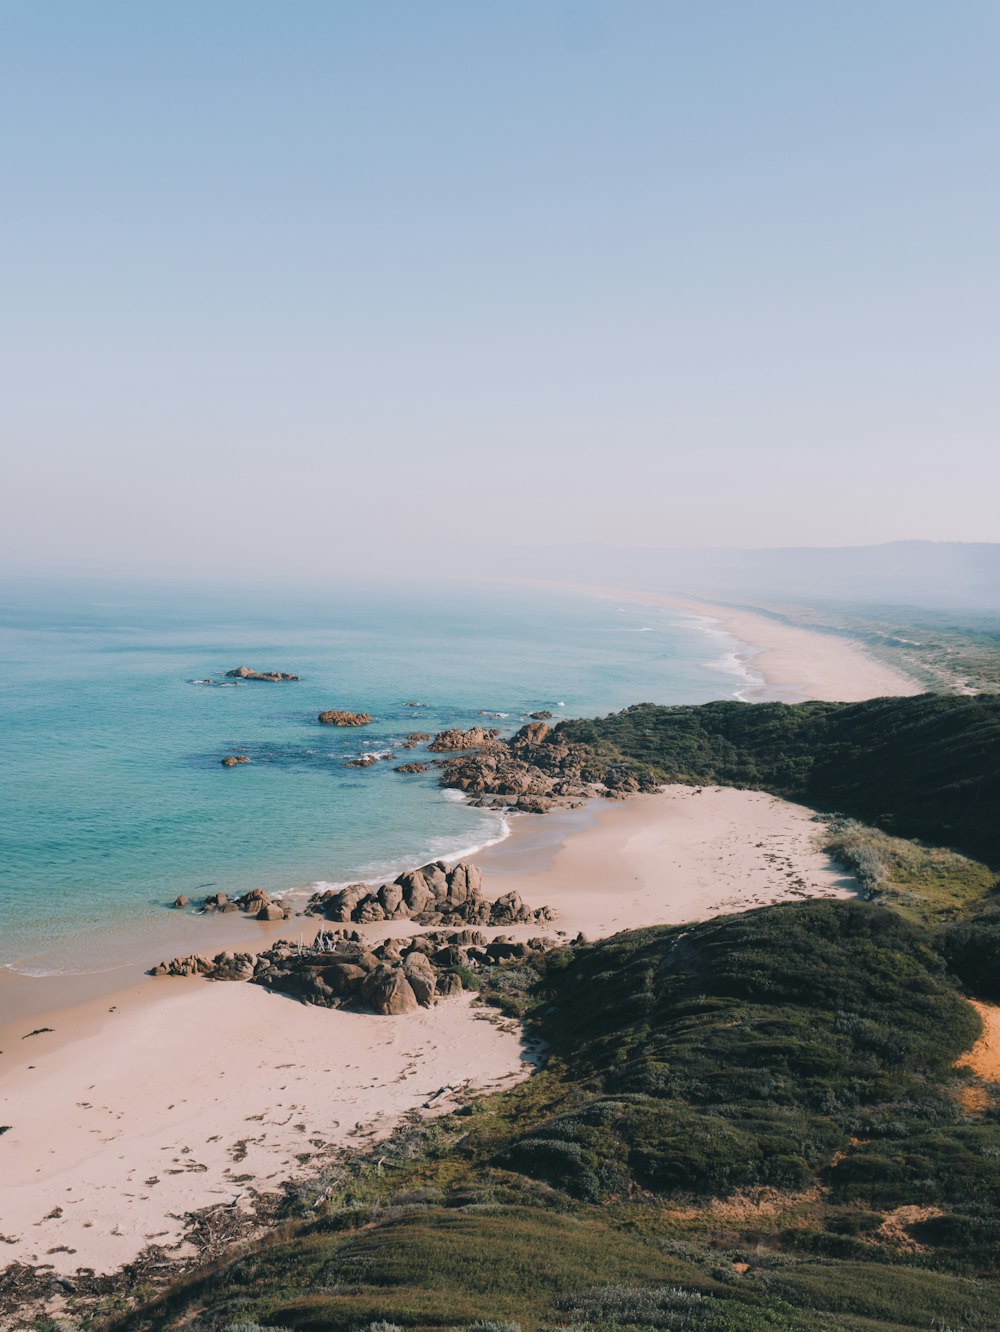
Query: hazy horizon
[[318, 290]]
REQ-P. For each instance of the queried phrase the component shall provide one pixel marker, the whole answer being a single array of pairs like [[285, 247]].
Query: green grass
[[926, 883]]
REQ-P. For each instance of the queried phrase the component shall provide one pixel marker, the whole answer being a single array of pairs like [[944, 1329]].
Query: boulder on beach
[[180, 902], [337, 717]]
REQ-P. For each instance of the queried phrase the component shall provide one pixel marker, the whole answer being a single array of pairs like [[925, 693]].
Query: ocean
[[113, 799]]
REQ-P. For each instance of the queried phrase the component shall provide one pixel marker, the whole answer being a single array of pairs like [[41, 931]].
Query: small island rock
[[336, 717]]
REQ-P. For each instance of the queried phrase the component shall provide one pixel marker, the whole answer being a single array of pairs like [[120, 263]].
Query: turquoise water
[[112, 797]]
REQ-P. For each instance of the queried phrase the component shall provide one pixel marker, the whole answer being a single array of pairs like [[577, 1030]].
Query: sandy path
[[984, 1057]]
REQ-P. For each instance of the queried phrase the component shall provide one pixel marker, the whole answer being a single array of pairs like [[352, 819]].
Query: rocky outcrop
[[233, 760], [543, 715], [432, 895], [536, 770], [411, 767], [257, 903], [335, 717], [339, 970], [269, 677], [414, 739], [223, 967], [446, 741]]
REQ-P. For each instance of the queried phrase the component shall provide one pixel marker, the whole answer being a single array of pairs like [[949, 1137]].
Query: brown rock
[[422, 977], [335, 717], [180, 902], [464, 882], [233, 760], [390, 896], [389, 992], [411, 767], [457, 740], [534, 733]]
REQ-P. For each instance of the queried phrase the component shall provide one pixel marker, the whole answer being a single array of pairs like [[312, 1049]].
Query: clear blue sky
[[298, 276]]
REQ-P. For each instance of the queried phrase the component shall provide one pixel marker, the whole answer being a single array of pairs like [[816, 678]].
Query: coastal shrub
[[491, 1325], [926, 766], [744, 1051], [673, 1307], [972, 949]]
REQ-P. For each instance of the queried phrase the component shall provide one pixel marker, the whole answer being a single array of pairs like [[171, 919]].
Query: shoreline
[[171, 1094], [97, 1105], [766, 657], [792, 664]]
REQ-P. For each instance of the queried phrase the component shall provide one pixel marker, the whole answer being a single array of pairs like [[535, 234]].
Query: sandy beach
[[795, 664], [780, 661], [171, 1095]]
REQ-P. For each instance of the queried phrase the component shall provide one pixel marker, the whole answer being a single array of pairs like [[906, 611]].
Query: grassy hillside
[[926, 767], [752, 1123]]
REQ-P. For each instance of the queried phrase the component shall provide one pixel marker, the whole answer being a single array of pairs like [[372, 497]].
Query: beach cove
[[140, 1101]]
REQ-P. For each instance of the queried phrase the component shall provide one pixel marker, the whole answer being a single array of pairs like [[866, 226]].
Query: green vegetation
[[730, 1116], [926, 767], [927, 883]]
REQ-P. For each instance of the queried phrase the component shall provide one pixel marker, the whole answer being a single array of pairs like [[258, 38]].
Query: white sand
[[798, 664], [190, 1093], [140, 1107]]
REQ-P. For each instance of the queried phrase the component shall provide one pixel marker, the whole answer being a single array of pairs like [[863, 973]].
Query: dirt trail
[[984, 1057]]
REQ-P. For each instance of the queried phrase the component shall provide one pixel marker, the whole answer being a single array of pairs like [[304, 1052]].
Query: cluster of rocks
[[413, 739], [535, 771], [411, 767], [257, 903], [431, 895], [270, 677], [234, 760], [446, 741], [336, 717], [340, 970]]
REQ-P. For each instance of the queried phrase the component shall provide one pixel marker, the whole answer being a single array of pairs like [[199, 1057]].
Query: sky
[[315, 284]]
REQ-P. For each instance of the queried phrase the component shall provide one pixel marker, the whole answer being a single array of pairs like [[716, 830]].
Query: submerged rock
[[233, 760], [270, 677]]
